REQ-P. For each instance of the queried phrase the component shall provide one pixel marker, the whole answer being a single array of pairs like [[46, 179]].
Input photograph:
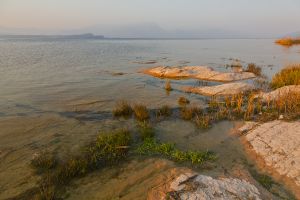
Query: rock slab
[[192, 186], [278, 144], [197, 72], [226, 89]]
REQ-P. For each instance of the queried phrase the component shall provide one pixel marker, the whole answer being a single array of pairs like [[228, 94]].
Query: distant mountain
[[79, 36], [293, 35], [143, 30]]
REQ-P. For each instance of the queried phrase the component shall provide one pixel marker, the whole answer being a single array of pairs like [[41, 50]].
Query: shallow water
[[59, 94]]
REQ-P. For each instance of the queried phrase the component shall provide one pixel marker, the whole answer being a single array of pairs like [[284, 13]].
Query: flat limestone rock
[[278, 144], [220, 90], [280, 92], [192, 186], [197, 72]]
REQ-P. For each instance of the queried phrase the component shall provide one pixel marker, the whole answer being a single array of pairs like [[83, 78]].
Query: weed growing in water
[[122, 109], [168, 86], [203, 121], [108, 149], [43, 161], [164, 111], [141, 112], [188, 113], [145, 130], [183, 101], [151, 146], [254, 69]]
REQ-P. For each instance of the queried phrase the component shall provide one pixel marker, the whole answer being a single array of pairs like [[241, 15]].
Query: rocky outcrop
[[277, 144], [280, 92], [221, 90], [197, 72], [192, 186]]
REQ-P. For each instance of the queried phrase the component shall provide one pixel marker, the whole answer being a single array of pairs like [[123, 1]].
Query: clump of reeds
[[183, 101], [141, 112], [164, 111], [188, 113], [254, 69], [203, 121], [168, 86], [288, 41], [290, 75], [122, 109]]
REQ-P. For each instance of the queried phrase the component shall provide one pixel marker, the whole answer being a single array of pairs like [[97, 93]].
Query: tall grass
[[290, 75]]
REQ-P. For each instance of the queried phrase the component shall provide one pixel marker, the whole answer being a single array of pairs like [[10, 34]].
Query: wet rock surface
[[220, 90], [199, 187], [197, 72], [276, 94], [277, 143]]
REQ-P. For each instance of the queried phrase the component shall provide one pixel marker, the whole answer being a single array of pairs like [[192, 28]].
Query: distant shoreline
[[100, 37]]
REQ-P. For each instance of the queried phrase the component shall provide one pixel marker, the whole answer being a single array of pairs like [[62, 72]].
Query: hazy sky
[[253, 16]]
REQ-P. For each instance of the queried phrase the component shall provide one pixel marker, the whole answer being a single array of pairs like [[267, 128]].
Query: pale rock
[[197, 72]]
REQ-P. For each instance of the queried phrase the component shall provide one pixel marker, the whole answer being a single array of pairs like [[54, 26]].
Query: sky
[[252, 17]]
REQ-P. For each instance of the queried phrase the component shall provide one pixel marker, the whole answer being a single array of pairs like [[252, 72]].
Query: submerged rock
[[277, 143], [283, 91], [197, 72], [221, 90], [188, 186]]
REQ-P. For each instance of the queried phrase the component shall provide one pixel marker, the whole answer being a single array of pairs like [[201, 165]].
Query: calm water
[[59, 94], [44, 73]]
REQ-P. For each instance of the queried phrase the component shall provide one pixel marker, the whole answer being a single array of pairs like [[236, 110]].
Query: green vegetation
[[254, 69], [141, 112], [108, 149], [183, 101], [122, 109], [164, 111], [290, 75], [151, 146]]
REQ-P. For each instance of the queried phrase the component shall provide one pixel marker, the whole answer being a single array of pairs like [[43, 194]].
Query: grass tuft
[[188, 113], [141, 112], [150, 146], [164, 111], [122, 109], [290, 75], [183, 101], [43, 161], [254, 69]]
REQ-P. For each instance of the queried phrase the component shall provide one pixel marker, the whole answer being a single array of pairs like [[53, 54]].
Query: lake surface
[[58, 94]]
